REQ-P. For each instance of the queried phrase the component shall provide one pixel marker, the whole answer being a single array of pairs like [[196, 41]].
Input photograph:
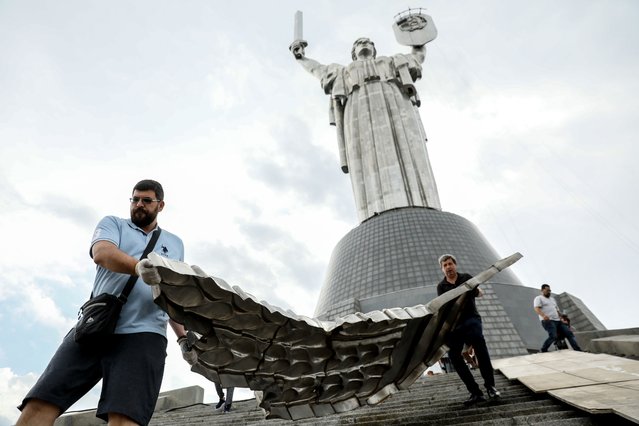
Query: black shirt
[[470, 309]]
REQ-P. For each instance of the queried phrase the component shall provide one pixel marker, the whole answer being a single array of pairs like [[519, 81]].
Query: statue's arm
[[409, 70], [419, 52], [310, 65], [313, 67]]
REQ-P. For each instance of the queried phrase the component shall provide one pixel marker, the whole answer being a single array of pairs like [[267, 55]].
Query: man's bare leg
[[38, 413], [117, 419]]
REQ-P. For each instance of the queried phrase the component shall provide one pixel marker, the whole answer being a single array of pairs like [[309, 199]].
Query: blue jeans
[[552, 327], [220, 393]]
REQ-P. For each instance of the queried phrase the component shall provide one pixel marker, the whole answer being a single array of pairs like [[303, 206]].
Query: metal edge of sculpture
[[302, 366]]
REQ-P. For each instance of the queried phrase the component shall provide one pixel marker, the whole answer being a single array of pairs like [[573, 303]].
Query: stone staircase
[[432, 400]]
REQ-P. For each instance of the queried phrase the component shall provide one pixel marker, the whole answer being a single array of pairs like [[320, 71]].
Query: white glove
[[149, 273], [188, 353]]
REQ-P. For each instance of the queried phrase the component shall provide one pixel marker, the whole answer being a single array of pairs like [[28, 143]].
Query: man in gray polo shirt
[[546, 307], [130, 362]]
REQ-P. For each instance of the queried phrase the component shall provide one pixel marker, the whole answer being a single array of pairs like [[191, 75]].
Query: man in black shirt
[[469, 331]]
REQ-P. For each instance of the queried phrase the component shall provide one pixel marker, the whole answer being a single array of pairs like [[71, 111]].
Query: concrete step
[[436, 400]]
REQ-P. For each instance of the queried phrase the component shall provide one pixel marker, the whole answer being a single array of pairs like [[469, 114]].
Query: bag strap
[[133, 278]]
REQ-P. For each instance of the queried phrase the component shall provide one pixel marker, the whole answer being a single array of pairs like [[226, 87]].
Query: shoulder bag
[[98, 317]]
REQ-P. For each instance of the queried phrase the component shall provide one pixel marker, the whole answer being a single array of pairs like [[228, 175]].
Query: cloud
[[310, 172], [269, 264], [41, 309], [12, 389], [292, 256], [10, 197], [68, 209]]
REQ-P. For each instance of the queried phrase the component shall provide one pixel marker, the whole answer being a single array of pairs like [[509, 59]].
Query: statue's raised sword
[[299, 43]]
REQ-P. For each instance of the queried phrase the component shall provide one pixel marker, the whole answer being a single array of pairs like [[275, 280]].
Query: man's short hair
[[444, 257], [150, 185], [543, 286]]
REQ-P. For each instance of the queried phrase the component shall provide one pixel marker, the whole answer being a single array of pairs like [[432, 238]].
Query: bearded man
[[129, 362]]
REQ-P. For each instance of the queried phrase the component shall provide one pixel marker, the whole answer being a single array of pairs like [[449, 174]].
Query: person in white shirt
[[549, 315]]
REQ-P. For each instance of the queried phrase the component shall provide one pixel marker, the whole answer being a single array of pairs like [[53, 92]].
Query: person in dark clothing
[[467, 331], [224, 402]]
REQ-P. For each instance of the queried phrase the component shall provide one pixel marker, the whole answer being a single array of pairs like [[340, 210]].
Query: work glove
[[188, 353], [149, 273]]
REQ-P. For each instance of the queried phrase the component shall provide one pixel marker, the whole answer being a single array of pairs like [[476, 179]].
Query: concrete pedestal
[[392, 260]]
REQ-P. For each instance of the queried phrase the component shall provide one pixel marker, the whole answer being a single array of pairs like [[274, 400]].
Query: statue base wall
[[391, 260]]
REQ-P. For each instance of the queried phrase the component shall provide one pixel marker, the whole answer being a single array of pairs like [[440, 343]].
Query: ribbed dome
[[398, 250]]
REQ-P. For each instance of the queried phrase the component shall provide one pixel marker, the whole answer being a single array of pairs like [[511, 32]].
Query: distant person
[[549, 315], [566, 320], [468, 331], [130, 362], [224, 402], [561, 339]]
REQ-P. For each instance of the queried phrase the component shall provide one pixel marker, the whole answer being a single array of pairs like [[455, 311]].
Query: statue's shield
[[413, 28]]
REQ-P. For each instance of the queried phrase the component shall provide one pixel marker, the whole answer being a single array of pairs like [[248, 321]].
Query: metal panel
[[299, 362]]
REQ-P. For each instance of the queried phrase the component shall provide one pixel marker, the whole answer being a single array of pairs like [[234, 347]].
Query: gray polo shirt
[[139, 314]]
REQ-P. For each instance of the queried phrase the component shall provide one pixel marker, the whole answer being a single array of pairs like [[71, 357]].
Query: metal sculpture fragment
[[302, 366]]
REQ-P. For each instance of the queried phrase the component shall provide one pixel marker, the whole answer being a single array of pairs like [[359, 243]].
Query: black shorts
[[131, 367]]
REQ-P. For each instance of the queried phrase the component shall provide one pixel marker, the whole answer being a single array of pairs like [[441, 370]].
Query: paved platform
[[596, 383]]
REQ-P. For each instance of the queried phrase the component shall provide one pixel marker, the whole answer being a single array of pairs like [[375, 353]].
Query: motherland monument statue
[[373, 104]]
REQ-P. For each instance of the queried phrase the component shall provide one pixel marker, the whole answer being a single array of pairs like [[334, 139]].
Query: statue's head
[[365, 46]]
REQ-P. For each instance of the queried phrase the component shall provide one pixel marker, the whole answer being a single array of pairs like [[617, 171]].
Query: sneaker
[[227, 408], [474, 399], [219, 404], [492, 392]]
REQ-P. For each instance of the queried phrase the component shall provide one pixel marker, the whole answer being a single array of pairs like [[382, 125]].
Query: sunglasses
[[145, 200]]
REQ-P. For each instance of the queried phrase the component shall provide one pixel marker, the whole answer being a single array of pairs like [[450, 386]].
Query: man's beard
[[144, 219]]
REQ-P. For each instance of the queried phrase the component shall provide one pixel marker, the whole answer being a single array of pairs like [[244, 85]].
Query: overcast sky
[[530, 110]]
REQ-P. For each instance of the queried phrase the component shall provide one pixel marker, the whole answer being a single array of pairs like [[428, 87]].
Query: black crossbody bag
[[98, 317]]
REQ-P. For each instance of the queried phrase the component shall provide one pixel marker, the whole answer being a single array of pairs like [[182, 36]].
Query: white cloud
[[42, 310], [12, 389]]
